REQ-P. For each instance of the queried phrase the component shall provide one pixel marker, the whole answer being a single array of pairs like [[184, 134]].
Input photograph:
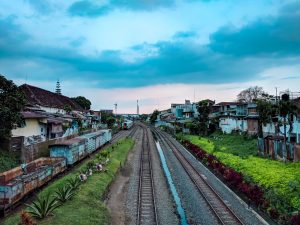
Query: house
[[272, 143], [236, 116], [48, 101], [187, 110], [34, 127], [45, 115], [252, 119], [227, 114]]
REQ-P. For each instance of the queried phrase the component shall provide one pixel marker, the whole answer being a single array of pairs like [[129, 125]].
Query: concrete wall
[[41, 149], [269, 129], [32, 127], [227, 124]]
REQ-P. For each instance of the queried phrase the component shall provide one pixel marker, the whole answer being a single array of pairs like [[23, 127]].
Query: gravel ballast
[[165, 206]]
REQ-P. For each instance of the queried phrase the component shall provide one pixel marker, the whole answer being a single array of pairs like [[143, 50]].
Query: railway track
[[133, 131], [223, 213], [124, 133], [146, 209]]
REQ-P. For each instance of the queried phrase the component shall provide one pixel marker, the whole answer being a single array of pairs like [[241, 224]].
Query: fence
[[274, 148]]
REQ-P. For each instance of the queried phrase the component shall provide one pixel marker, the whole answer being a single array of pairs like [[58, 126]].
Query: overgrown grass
[[234, 144], [280, 180], [86, 206], [7, 161]]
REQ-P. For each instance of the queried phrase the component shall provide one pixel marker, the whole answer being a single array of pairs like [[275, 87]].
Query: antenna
[[58, 89]]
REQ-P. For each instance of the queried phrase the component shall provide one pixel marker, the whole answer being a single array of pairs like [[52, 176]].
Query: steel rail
[[223, 213], [146, 208]]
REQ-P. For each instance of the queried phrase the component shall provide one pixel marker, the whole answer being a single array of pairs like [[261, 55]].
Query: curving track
[[222, 212], [146, 210]]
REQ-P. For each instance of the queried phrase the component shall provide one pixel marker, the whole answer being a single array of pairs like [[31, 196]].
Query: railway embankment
[[86, 206], [272, 186]]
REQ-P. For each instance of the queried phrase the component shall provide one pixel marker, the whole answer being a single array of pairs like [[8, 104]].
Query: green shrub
[[64, 193], [42, 207], [74, 183]]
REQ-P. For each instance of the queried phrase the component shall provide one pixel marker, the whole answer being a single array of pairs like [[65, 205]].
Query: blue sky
[[157, 51]]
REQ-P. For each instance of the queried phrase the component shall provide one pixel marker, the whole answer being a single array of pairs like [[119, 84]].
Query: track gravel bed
[[166, 210], [196, 209]]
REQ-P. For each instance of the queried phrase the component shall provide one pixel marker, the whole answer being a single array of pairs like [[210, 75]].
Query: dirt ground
[[117, 193]]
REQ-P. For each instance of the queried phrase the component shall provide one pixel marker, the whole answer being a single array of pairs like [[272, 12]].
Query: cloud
[[181, 59], [275, 36], [89, 8], [43, 6]]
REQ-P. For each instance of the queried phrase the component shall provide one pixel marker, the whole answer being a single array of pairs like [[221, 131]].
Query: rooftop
[[39, 96]]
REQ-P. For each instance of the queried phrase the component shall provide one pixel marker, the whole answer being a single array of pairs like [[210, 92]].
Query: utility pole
[[137, 107]]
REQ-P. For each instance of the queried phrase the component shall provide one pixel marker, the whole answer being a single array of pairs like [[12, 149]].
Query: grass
[[86, 206], [7, 161], [234, 144], [280, 180]]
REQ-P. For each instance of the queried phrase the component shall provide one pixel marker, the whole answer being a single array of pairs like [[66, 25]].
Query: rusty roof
[[39, 96]]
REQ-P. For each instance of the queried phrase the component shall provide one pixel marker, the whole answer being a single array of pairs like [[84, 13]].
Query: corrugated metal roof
[[32, 115], [69, 142]]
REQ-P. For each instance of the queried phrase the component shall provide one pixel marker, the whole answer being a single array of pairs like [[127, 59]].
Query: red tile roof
[[39, 96]]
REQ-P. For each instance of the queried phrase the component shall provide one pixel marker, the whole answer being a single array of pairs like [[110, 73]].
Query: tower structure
[[137, 107], [58, 89], [116, 108]]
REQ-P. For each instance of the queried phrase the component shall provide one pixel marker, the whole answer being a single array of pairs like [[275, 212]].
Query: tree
[[83, 102], [204, 109], [110, 122], [68, 108], [266, 111], [154, 115], [251, 94], [107, 119], [12, 101], [144, 117], [286, 109]]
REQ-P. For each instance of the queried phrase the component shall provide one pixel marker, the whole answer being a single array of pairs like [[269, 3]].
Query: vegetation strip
[[280, 183], [85, 207]]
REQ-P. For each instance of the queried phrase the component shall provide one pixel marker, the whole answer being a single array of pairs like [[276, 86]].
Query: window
[[42, 129]]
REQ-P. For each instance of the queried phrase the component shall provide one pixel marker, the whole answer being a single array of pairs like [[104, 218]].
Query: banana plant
[[64, 193], [42, 207]]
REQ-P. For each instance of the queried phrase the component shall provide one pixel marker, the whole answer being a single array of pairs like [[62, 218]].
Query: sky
[[157, 51]]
